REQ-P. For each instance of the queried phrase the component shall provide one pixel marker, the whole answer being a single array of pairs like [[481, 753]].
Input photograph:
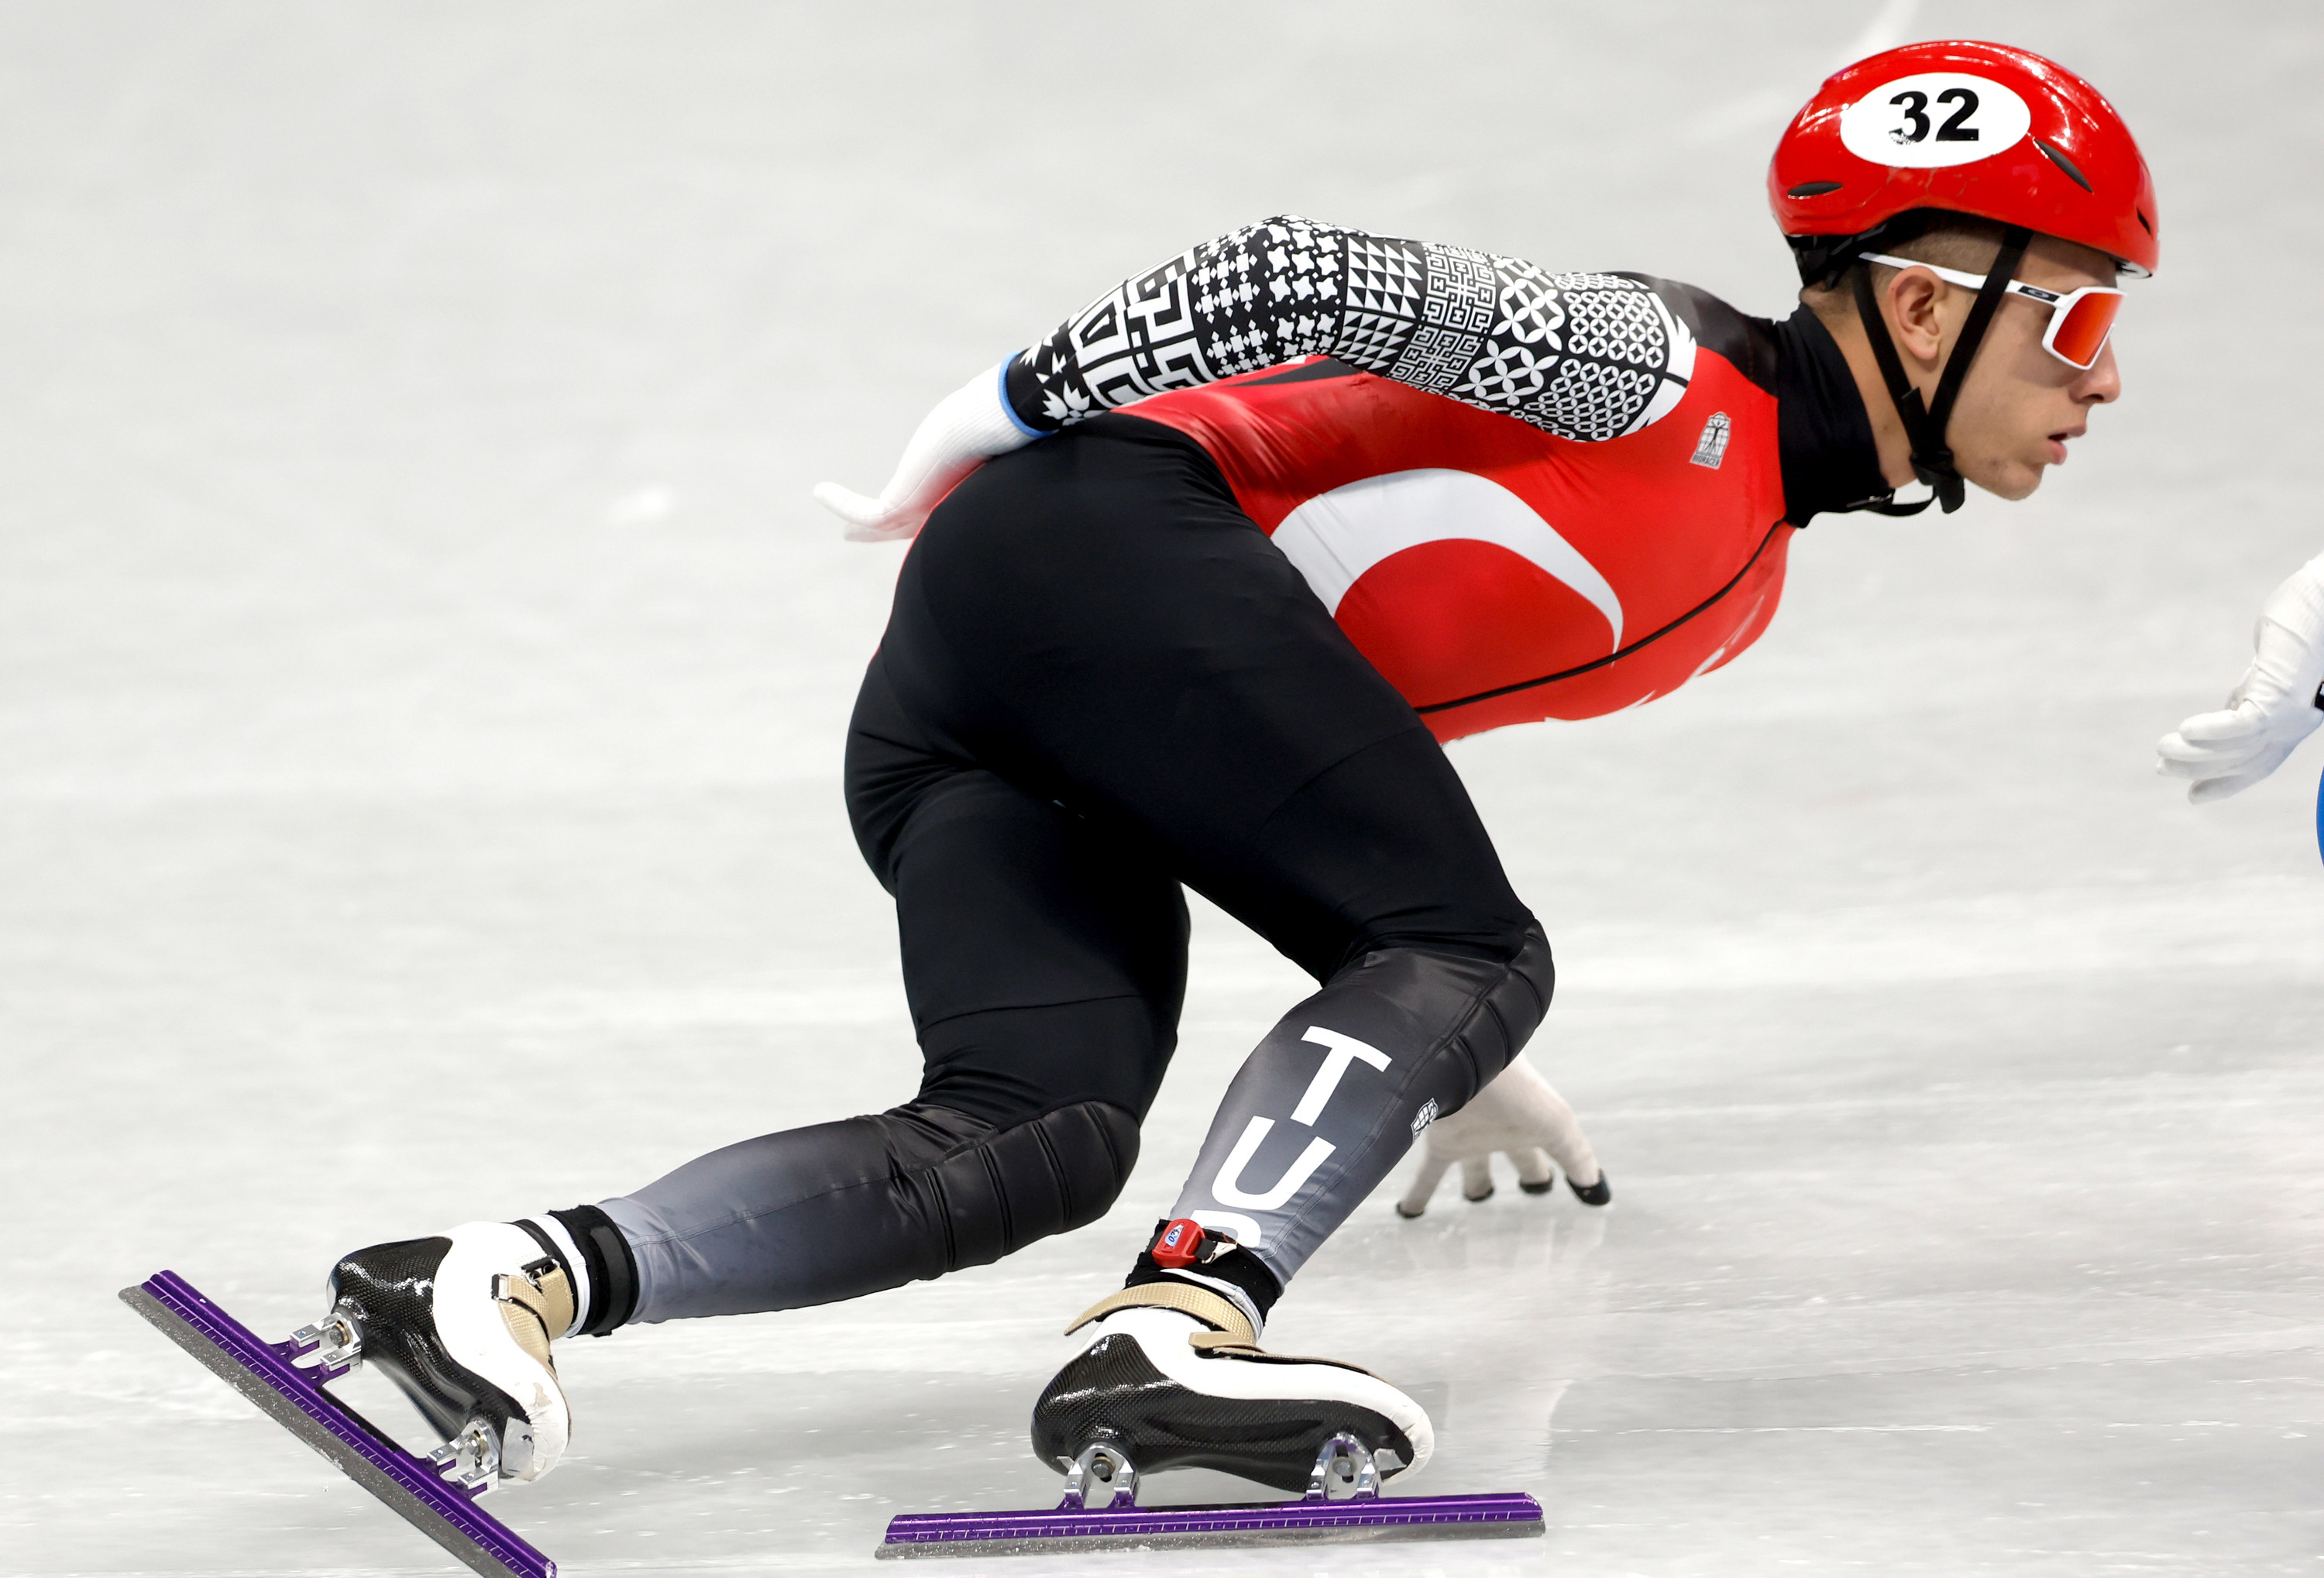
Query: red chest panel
[[1496, 573]]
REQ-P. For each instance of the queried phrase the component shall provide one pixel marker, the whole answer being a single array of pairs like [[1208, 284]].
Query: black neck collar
[[1830, 461]]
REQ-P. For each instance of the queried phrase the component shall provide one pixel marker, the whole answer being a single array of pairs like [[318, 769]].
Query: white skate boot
[[1174, 1378], [462, 1324]]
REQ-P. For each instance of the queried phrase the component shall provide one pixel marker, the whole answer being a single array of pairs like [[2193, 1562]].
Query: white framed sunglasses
[[2079, 321]]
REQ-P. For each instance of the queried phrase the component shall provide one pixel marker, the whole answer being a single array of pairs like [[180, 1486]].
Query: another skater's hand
[[2271, 710], [968, 426], [1520, 1115]]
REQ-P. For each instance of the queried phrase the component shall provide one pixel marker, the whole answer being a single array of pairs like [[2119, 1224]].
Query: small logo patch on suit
[[1711, 447], [1425, 1117]]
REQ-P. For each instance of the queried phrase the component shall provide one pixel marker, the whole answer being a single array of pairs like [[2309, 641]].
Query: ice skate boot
[[407, 1307], [1174, 1378], [462, 1323]]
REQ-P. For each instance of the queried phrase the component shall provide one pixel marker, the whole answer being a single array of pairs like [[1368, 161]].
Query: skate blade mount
[[292, 1395], [1074, 1525]]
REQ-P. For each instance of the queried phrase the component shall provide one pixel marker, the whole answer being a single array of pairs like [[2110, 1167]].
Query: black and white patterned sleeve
[[1583, 356]]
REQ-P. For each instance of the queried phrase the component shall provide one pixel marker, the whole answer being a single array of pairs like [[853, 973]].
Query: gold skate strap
[[1230, 1327], [536, 1306]]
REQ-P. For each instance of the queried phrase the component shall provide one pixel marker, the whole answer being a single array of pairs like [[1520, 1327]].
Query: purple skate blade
[[1502, 1516], [295, 1399]]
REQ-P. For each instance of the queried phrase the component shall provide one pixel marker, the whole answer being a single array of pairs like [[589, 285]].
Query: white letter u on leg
[[1227, 1189]]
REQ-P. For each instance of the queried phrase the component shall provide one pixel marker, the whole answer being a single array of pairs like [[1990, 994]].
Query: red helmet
[[1974, 129]]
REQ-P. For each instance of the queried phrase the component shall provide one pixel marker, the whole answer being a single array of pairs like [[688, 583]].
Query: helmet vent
[[1813, 189], [2143, 222], [2064, 164]]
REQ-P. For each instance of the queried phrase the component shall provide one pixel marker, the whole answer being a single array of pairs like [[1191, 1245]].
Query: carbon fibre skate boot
[[1174, 1378], [462, 1324]]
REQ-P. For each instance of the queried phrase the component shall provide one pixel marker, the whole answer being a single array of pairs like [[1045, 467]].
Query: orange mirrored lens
[[2079, 330]]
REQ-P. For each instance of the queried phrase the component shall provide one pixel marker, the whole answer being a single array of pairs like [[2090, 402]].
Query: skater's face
[[2020, 406]]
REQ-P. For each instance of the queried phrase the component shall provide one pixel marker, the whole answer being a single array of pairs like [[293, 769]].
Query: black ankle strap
[[1228, 1262], [613, 1269]]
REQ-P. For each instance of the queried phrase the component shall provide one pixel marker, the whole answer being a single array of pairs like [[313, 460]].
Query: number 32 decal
[[1917, 121], [1934, 119]]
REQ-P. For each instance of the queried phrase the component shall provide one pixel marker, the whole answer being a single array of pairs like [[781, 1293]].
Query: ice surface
[[422, 673]]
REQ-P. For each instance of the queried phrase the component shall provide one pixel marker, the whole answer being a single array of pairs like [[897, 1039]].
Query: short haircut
[[1929, 236]]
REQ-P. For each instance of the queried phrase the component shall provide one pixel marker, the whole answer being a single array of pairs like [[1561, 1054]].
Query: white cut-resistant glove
[[1518, 1113], [968, 427], [2271, 710]]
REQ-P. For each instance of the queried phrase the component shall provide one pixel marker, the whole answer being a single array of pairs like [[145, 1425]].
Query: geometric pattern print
[[1583, 356], [1267, 293]]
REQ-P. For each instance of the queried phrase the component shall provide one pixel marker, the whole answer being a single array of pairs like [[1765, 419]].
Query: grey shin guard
[[1341, 1088], [829, 1212]]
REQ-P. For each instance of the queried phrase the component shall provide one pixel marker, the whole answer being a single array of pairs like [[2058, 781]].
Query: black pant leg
[[1094, 617], [1044, 951], [1045, 960], [1100, 676], [1097, 616]]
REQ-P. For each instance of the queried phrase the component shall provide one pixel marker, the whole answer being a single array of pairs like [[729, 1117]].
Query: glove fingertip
[[2212, 728], [848, 505]]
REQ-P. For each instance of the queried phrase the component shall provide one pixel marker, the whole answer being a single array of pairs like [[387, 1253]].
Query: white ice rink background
[[422, 674]]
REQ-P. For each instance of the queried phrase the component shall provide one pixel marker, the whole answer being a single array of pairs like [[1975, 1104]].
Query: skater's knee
[[1512, 1005], [1490, 1002], [1008, 1187]]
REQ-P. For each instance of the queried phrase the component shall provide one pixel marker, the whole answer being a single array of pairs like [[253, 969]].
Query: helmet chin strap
[[1925, 423]]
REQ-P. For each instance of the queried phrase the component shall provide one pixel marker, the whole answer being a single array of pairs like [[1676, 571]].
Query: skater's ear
[[1913, 302]]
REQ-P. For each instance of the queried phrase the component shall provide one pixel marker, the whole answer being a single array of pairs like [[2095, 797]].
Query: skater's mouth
[[2058, 442]]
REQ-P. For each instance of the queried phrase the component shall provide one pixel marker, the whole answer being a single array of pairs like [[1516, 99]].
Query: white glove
[[968, 426], [1518, 1114], [2271, 710]]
